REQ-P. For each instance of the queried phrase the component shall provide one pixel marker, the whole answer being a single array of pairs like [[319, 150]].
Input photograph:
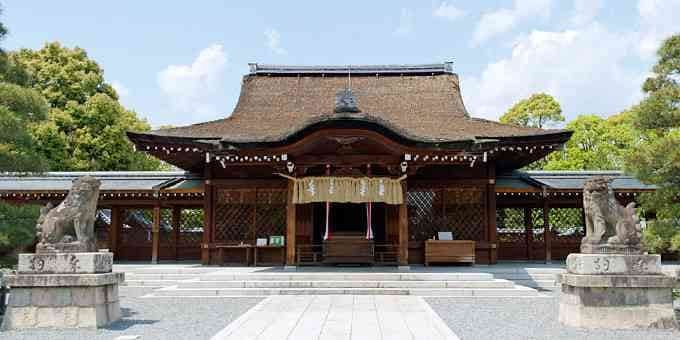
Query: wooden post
[[176, 221], [492, 234], [208, 222], [114, 230], [155, 231], [403, 227], [290, 226], [547, 233], [529, 232]]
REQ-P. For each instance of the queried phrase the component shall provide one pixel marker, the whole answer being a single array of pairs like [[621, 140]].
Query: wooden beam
[[290, 226], [208, 221], [547, 233], [403, 228], [492, 231], [155, 233], [114, 230], [339, 160], [176, 221]]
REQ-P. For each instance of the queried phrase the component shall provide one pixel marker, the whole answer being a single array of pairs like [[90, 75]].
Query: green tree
[[539, 110], [656, 158], [85, 126], [597, 144], [19, 107]]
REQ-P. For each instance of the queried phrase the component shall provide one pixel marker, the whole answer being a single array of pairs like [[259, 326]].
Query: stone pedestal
[[616, 291], [63, 291]]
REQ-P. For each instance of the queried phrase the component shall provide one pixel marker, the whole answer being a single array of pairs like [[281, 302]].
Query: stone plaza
[[190, 301]]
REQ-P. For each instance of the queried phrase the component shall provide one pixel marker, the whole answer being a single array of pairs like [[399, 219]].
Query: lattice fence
[[270, 217], [136, 226], [191, 227], [510, 225], [166, 234], [567, 224], [102, 226], [460, 210], [244, 215]]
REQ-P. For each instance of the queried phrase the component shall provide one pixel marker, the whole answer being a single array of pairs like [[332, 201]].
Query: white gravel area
[[523, 318], [155, 318]]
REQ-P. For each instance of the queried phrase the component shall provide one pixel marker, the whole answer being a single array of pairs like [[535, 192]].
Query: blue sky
[[181, 62]]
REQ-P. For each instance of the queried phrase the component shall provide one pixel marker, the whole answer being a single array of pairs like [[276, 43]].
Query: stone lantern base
[[63, 291], [616, 291]]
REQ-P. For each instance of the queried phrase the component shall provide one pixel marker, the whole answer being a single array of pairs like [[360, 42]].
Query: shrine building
[[330, 165]]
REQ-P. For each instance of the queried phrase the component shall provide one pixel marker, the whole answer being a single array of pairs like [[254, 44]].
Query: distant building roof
[[568, 180], [111, 180], [179, 181]]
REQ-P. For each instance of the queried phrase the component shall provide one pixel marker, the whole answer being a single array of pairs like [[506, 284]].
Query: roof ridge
[[445, 67]]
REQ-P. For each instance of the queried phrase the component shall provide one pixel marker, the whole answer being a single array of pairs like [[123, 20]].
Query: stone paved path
[[338, 317]]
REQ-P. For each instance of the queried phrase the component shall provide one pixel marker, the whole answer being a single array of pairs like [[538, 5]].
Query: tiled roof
[[111, 180], [568, 180]]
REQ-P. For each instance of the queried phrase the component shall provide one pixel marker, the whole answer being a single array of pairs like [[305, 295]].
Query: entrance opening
[[349, 219]]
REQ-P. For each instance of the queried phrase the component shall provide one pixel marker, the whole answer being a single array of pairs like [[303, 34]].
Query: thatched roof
[[421, 103]]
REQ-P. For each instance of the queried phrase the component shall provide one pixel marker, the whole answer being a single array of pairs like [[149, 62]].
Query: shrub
[[17, 229]]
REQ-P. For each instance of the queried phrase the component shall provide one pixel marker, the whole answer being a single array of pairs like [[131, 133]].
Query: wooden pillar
[[176, 221], [403, 227], [208, 221], [492, 232], [155, 233], [290, 226], [114, 230], [547, 233], [529, 232]]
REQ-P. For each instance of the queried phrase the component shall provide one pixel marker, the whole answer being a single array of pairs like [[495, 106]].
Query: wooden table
[[348, 249], [449, 251], [222, 247], [257, 248]]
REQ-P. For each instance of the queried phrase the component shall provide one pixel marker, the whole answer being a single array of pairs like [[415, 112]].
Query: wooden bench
[[449, 251]]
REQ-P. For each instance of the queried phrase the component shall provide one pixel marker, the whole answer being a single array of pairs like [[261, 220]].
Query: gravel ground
[[155, 318], [523, 318]]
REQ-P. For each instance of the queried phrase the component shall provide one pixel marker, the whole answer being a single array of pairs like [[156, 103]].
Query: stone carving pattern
[[69, 227]]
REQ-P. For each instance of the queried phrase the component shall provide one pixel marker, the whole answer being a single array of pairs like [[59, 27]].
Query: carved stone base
[[62, 300], [65, 263], [613, 264], [616, 292], [70, 247], [607, 248]]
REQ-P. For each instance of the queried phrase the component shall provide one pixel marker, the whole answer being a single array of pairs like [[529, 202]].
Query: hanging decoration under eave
[[347, 189]]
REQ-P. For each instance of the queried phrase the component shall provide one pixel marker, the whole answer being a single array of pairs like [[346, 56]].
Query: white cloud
[[405, 22], [448, 11], [585, 11], [658, 21], [504, 19], [583, 69], [274, 41], [189, 87], [121, 89]]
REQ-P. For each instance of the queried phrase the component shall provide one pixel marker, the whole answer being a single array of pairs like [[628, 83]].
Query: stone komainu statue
[[610, 227], [69, 227]]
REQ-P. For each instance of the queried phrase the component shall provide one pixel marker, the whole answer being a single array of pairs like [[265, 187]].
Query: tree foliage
[[539, 110], [597, 144], [85, 126], [656, 158]]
